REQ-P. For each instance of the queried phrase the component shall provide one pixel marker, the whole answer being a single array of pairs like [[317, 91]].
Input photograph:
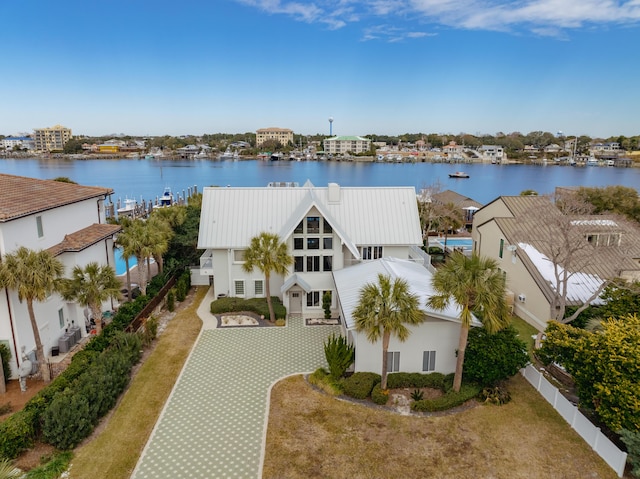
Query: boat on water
[[228, 155], [275, 157], [458, 174], [128, 208], [166, 199]]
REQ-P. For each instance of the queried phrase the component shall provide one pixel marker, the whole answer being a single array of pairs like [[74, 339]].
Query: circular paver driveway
[[213, 424]]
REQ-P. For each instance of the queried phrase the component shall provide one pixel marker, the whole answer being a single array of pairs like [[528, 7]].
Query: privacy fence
[[600, 443]]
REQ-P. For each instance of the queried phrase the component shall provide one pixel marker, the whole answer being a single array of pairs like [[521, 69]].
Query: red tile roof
[[84, 238], [21, 196]]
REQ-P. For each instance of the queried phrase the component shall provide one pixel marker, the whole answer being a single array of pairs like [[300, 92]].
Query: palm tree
[[34, 274], [384, 309], [477, 285], [159, 227], [90, 287], [124, 241], [267, 253], [136, 239]]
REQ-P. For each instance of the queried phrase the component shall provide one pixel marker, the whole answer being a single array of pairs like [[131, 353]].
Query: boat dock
[[133, 208]]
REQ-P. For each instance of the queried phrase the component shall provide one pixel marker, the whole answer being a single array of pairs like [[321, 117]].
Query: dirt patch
[[16, 398]]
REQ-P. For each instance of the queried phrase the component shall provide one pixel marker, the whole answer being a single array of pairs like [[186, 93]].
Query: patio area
[[214, 422]]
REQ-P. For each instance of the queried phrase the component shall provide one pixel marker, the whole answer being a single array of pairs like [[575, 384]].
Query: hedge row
[[415, 380], [254, 305], [360, 385], [450, 400]]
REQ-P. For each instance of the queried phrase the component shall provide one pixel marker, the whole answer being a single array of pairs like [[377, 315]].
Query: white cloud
[[540, 17]]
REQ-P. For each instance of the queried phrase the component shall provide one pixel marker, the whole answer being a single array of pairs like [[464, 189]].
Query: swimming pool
[[465, 243], [121, 265]]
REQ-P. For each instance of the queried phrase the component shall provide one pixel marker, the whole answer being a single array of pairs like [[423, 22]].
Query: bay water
[[146, 179]]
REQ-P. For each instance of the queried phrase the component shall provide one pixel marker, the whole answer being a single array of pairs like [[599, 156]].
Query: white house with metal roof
[[326, 229], [431, 346], [69, 221]]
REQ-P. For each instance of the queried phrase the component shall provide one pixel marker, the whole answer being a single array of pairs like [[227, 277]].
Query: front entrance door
[[295, 303]]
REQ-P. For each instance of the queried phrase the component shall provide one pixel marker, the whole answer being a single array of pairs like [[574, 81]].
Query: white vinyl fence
[[600, 443]]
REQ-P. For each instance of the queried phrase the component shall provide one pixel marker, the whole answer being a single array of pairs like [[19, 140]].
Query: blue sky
[[377, 67]]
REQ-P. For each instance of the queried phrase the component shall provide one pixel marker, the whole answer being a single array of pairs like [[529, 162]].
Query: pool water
[[464, 243], [121, 265]]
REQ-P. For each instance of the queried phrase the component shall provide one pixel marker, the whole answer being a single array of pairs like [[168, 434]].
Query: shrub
[[150, 330], [359, 385], [17, 434], [5, 359], [326, 304], [417, 395], [379, 396], [53, 468], [490, 358], [5, 409], [280, 322], [321, 379], [495, 395], [339, 355], [449, 400], [631, 439], [255, 305], [171, 300], [67, 420], [415, 380]]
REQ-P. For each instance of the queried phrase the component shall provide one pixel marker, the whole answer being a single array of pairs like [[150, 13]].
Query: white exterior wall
[[433, 335]]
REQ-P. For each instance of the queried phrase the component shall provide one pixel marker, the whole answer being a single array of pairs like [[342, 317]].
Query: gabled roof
[[21, 196], [461, 201], [349, 282], [230, 217], [82, 239]]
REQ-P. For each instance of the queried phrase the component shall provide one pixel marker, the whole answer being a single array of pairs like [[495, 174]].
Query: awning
[[295, 279]]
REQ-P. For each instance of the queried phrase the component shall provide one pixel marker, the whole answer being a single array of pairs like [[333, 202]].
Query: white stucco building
[[340, 145], [69, 221]]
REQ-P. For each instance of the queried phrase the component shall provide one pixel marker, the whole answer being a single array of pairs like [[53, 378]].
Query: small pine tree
[[326, 304]]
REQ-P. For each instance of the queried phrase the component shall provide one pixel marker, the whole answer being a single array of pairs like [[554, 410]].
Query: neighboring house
[[326, 229], [492, 153], [453, 149], [340, 145], [518, 232], [431, 345], [282, 135], [24, 142], [50, 139], [467, 205], [69, 221]]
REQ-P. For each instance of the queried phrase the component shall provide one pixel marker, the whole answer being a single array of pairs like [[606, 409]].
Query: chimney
[[334, 193]]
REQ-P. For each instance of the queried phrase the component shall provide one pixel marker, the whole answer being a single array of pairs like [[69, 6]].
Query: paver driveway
[[213, 424]]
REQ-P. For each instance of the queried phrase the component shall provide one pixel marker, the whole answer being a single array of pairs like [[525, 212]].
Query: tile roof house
[[528, 235], [69, 221]]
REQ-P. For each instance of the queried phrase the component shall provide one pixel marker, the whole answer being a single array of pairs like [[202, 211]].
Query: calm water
[[146, 179]]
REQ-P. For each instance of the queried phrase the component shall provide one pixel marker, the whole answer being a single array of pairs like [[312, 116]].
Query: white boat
[[592, 161], [228, 155], [166, 199], [458, 174], [128, 207]]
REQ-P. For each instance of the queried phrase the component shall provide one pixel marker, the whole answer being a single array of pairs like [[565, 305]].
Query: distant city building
[[282, 135], [492, 153], [24, 142], [346, 144], [50, 139]]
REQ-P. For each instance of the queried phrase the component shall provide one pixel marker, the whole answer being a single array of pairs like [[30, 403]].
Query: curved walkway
[[214, 422]]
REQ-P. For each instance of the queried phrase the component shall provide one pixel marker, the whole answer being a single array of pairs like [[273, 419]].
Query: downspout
[[13, 333]]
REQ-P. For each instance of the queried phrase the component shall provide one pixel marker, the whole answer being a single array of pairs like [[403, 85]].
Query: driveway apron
[[214, 422]]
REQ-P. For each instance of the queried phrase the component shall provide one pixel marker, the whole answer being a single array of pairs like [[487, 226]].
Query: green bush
[[449, 400], [5, 358], [150, 330], [67, 420], [490, 358], [415, 380], [631, 439], [326, 304], [359, 385], [52, 468], [495, 395], [182, 286], [322, 380], [171, 300], [339, 355], [17, 434], [379, 396], [417, 395], [254, 305]]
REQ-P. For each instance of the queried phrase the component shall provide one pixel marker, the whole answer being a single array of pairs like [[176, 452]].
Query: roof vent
[[334, 193]]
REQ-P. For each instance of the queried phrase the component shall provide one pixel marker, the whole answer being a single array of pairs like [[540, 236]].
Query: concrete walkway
[[214, 422]]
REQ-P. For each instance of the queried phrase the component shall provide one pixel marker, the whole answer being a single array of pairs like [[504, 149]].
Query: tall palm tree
[[270, 255], [124, 241], [34, 274], [90, 287], [384, 309], [477, 285], [159, 227], [136, 239]]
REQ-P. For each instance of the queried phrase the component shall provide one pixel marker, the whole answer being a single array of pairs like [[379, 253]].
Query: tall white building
[[340, 145]]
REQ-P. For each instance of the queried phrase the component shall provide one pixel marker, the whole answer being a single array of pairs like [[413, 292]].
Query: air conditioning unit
[[522, 298]]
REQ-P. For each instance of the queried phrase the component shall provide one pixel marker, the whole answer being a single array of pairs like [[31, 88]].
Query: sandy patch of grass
[[311, 434], [114, 453]]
